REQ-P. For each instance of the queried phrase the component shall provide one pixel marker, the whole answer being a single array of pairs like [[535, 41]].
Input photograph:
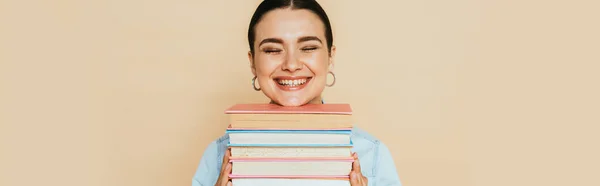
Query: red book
[[344, 109], [276, 117]]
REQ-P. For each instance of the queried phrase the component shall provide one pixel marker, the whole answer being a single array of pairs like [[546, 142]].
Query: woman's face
[[290, 59]]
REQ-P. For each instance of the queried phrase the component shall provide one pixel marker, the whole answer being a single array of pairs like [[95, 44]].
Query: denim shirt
[[376, 162]]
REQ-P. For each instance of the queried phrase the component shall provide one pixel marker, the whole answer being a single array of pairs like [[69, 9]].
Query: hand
[[223, 179], [356, 177]]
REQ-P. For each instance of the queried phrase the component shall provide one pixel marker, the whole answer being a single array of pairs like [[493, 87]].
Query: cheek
[[318, 63], [266, 66]]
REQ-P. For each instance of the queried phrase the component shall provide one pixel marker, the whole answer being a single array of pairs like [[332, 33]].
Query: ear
[[251, 60], [331, 58]]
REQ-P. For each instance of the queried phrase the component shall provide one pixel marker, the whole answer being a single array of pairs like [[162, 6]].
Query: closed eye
[[309, 49], [272, 51]]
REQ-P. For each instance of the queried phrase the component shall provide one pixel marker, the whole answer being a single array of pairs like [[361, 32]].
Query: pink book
[[298, 159], [322, 168], [291, 176], [342, 109], [229, 127]]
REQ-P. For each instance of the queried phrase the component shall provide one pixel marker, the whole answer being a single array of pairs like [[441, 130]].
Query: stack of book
[[276, 145]]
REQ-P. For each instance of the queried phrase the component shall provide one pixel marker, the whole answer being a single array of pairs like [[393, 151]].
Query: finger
[[228, 168], [365, 180], [361, 178], [356, 164], [225, 173], [227, 154], [354, 179], [230, 165], [225, 159], [229, 183]]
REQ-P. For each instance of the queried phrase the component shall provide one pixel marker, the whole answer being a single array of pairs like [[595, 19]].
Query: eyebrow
[[271, 40], [309, 38], [280, 41]]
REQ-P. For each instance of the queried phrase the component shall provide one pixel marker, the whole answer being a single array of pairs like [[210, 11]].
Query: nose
[[291, 63]]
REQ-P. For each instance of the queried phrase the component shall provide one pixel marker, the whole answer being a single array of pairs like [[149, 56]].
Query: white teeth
[[295, 82]]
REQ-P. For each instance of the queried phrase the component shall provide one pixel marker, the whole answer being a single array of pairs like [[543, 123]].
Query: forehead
[[289, 24]]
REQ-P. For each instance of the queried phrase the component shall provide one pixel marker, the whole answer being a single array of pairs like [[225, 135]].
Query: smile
[[291, 83]]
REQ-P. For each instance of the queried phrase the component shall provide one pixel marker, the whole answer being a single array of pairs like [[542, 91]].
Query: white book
[[265, 138], [288, 182], [285, 152], [291, 167]]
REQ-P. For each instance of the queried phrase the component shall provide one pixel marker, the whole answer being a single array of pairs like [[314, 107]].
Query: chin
[[292, 102]]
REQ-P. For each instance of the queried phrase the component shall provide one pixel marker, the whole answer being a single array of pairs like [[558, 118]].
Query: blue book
[[304, 138]]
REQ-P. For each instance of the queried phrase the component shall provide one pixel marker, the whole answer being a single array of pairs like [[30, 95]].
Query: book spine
[[291, 176], [288, 129], [228, 131], [292, 159], [289, 145]]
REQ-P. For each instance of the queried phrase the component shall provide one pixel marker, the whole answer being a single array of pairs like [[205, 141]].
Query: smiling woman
[[288, 54], [291, 54]]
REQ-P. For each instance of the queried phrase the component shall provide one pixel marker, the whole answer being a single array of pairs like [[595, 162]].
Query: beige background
[[464, 92]]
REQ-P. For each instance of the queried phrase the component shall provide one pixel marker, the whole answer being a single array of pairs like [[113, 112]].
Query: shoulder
[[364, 144], [363, 140], [210, 164], [376, 161], [369, 149], [217, 148]]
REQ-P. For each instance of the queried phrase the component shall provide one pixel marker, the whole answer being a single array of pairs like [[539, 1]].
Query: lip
[[288, 88]]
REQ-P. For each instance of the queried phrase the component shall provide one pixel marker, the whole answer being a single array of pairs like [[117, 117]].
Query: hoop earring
[[254, 84], [333, 83]]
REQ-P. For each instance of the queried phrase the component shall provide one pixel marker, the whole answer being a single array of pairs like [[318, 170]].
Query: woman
[[291, 54]]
